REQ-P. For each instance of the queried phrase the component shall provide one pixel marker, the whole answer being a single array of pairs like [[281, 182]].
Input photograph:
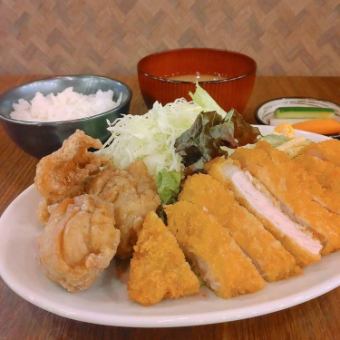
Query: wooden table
[[316, 319]]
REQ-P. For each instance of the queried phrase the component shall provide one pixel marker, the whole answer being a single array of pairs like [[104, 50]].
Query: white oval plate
[[107, 302]]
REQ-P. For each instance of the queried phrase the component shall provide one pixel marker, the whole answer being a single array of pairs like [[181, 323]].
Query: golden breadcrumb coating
[[212, 251], [327, 174], [328, 177], [329, 199], [270, 257], [288, 183], [328, 150], [78, 241], [302, 255], [133, 194], [64, 172], [158, 269], [311, 180]]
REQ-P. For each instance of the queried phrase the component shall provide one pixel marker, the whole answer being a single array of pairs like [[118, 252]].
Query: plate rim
[[149, 321]]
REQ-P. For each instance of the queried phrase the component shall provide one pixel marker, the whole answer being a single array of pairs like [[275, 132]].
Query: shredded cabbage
[[151, 137]]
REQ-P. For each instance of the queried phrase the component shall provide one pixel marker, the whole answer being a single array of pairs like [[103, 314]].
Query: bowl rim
[[167, 80], [69, 121]]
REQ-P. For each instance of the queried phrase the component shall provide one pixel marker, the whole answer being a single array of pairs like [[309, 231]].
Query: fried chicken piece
[[298, 240], [43, 213], [133, 194], [64, 172], [328, 150], [158, 269], [272, 260], [211, 250], [78, 241], [286, 181]]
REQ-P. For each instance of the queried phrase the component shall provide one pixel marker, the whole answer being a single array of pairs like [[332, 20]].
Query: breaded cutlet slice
[[297, 239], [328, 150], [326, 173], [279, 175], [273, 261], [321, 170], [212, 252], [158, 268], [328, 199]]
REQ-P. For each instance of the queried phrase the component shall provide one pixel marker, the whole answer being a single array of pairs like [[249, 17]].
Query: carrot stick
[[322, 126]]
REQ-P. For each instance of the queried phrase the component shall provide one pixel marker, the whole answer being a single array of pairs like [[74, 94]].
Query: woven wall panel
[[299, 37]]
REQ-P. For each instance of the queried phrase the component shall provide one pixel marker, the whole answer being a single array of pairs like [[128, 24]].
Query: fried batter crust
[[214, 254], [327, 174], [133, 194], [78, 241], [270, 257], [293, 187], [158, 269], [64, 172], [328, 150]]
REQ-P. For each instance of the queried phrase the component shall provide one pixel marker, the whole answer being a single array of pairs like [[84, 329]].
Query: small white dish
[[266, 111], [107, 302]]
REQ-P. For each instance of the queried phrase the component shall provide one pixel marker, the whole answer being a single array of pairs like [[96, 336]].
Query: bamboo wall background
[[300, 37]]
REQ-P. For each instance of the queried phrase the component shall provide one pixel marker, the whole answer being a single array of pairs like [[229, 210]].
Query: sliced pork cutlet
[[279, 175], [326, 173], [330, 200], [158, 269], [212, 252], [311, 171], [273, 261], [295, 238], [328, 150]]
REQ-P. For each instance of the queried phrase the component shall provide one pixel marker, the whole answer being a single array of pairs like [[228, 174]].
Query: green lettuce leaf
[[202, 98], [208, 137], [168, 185]]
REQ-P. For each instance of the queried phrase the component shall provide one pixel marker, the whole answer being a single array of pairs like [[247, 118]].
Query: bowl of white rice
[[39, 115]]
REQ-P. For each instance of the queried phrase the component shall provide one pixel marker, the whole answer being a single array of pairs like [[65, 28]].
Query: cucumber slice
[[303, 112]]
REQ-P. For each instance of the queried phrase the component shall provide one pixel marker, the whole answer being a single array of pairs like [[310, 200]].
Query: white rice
[[66, 105]]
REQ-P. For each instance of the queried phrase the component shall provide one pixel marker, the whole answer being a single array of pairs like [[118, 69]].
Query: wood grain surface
[[316, 319], [103, 36]]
